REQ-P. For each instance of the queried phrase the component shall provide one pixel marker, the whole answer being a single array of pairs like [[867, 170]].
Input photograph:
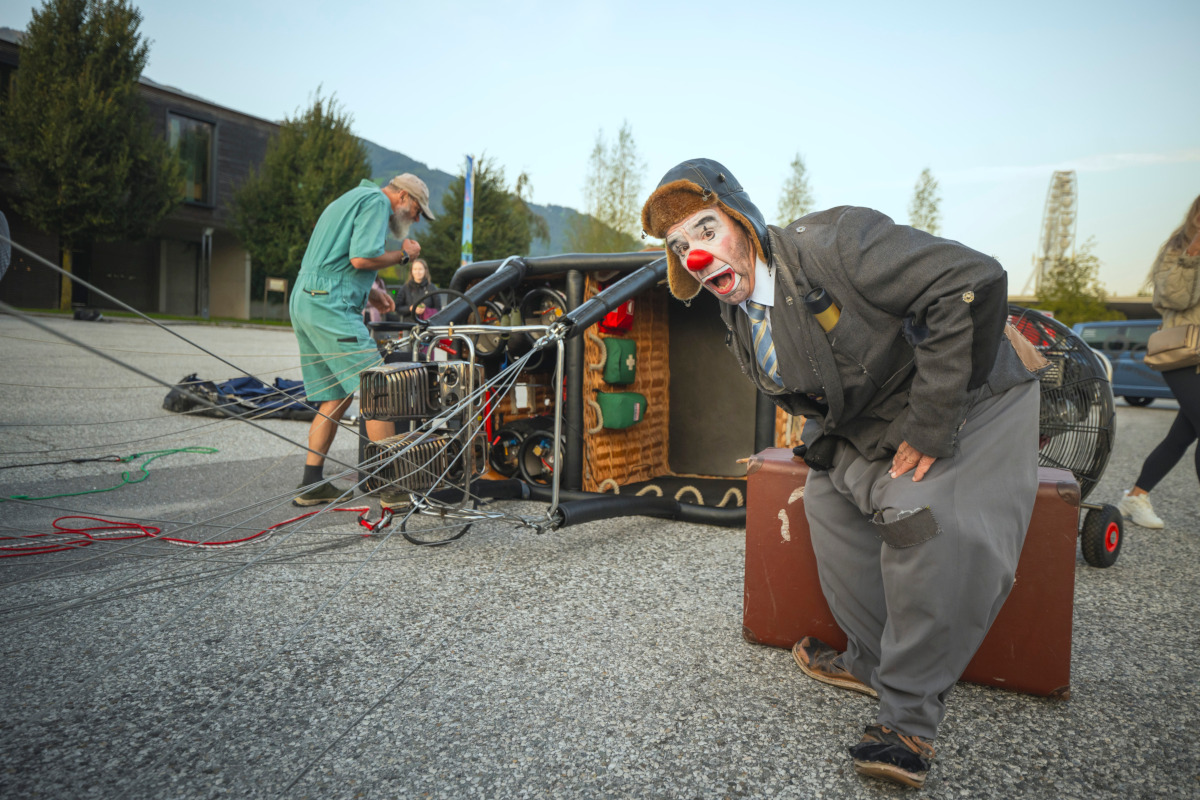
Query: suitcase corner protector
[[1070, 492]]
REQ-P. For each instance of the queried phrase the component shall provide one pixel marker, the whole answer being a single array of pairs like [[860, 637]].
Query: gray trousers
[[915, 572]]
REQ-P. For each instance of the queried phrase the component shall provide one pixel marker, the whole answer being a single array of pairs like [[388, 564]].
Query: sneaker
[[394, 498], [1139, 511], [319, 493], [820, 661], [891, 756]]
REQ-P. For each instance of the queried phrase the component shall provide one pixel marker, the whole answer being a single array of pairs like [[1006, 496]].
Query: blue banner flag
[[468, 209]]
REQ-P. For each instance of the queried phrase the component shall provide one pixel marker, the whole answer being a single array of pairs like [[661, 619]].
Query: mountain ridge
[[386, 164]]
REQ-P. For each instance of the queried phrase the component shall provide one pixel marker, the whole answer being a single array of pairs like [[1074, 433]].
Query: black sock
[[313, 474]]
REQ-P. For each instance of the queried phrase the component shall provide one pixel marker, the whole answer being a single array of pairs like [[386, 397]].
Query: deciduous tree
[[312, 160], [612, 193], [1071, 289], [924, 211], [87, 164]]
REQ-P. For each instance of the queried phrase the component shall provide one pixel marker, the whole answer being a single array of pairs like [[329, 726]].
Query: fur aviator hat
[[689, 187]]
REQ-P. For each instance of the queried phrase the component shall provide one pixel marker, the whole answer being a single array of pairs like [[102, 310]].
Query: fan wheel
[[1100, 539]]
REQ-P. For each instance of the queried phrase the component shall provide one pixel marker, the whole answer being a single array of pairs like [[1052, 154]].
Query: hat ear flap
[[740, 219], [680, 281], [669, 204]]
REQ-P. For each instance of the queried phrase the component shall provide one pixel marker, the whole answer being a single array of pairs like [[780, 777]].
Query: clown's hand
[[907, 457]]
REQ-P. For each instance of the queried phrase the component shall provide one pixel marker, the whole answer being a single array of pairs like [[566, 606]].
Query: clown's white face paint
[[730, 273]]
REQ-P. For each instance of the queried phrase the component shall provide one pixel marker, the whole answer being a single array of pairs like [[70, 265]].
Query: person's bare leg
[[379, 429], [323, 429]]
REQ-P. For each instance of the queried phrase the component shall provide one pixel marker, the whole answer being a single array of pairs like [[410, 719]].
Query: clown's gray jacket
[[920, 337]]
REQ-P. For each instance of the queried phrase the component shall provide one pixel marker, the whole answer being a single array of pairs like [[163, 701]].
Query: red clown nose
[[698, 260]]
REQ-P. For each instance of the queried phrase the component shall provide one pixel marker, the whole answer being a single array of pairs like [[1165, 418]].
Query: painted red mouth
[[723, 281]]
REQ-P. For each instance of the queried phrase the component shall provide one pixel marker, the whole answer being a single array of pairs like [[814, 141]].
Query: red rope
[[86, 535]]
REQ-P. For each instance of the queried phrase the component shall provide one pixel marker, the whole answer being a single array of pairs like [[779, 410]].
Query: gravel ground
[[603, 660]]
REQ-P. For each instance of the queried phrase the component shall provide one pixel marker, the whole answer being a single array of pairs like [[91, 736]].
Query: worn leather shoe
[[891, 756], [820, 661]]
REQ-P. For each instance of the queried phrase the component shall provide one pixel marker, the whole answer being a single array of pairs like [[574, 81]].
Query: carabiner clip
[[385, 519]]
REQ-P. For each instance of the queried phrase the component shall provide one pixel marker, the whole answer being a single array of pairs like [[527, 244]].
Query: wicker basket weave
[[787, 429], [639, 452]]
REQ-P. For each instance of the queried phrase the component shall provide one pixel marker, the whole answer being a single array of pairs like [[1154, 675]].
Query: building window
[[193, 140]]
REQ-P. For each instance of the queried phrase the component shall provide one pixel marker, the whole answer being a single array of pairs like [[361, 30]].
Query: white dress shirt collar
[[764, 286]]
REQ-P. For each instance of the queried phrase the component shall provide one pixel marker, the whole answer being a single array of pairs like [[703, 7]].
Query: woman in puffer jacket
[[411, 300], [1177, 299]]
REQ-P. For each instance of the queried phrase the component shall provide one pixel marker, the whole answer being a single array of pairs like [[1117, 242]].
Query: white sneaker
[[1139, 511]]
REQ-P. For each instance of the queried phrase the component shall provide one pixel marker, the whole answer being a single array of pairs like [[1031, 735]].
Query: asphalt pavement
[[601, 660]]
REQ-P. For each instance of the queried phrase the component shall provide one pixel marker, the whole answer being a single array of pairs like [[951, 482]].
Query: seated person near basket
[[921, 431]]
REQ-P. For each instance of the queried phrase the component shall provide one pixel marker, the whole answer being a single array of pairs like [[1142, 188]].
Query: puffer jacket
[[1177, 288], [920, 338], [412, 293]]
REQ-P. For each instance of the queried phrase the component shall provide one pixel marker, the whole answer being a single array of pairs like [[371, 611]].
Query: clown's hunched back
[[921, 431]]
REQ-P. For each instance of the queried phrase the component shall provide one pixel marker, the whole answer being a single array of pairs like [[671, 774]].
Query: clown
[[921, 426]]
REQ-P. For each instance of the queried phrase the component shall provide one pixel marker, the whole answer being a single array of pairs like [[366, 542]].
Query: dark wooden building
[[193, 264]]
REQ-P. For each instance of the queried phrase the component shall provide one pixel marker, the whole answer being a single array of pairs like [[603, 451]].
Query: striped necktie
[[764, 348]]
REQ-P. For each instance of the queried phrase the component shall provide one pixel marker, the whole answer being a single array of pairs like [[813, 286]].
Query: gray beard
[[398, 225]]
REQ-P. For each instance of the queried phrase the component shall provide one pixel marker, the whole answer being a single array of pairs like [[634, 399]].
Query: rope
[[90, 534], [737, 496], [599, 343], [108, 459], [126, 477], [599, 416]]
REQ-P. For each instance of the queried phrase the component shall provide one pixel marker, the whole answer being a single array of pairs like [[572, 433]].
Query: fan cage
[[1077, 424]]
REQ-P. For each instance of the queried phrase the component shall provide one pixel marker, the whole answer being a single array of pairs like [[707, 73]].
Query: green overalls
[[328, 299]]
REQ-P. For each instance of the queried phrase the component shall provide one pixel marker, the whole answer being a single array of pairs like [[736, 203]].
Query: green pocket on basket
[[621, 409], [620, 361]]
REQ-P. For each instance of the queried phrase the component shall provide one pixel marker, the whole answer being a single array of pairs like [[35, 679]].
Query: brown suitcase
[[1028, 648]]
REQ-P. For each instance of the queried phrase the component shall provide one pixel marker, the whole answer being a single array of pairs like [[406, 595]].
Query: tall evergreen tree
[[502, 223], [612, 195], [87, 165], [924, 211], [312, 160], [797, 197]]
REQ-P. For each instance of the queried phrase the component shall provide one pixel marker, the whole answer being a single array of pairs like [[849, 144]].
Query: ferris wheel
[[1058, 227]]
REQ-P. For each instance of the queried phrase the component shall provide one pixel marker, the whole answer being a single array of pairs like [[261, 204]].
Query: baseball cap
[[416, 189]]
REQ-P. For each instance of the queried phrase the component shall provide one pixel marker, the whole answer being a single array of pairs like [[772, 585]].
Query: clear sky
[[992, 97]]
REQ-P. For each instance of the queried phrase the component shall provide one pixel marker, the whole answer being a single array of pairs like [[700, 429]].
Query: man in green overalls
[[345, 251]]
